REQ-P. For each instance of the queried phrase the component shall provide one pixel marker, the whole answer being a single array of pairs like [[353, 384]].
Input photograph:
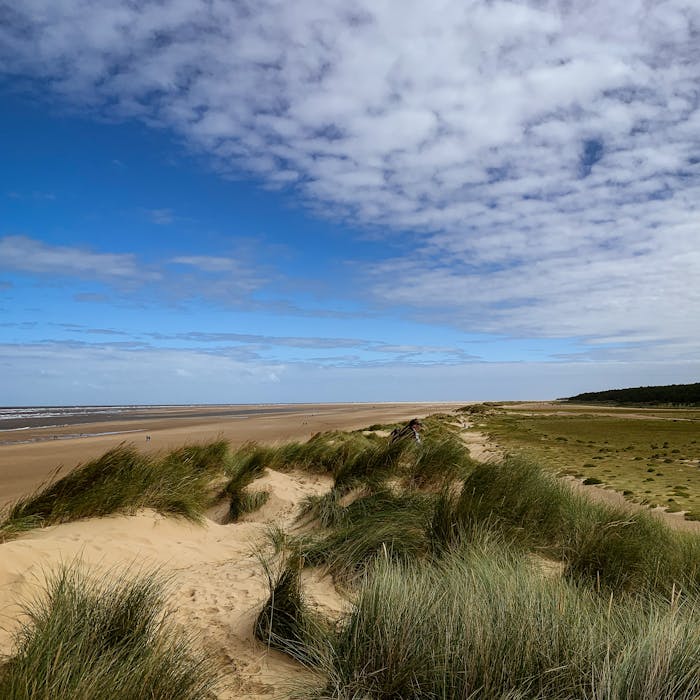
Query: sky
[[222, 201]]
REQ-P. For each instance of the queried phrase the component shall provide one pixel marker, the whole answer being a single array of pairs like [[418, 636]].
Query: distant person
[[411, 430]]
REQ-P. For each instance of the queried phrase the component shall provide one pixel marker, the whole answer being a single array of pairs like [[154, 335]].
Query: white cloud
[[161, 217], [86, 374], [28, 255], [226, 281], [466, 122]]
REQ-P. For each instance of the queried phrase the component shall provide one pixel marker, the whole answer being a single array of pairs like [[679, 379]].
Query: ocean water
[[25, 417], [18, 418]]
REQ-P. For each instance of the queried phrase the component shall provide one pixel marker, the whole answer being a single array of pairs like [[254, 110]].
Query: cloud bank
[[540, 159]]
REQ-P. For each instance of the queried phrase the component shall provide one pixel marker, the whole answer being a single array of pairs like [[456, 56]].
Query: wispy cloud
[[208, 263], [35, 196], [24, 254], [161, 217], [547, 155], [369, 351], [129, 373], [227, 282]]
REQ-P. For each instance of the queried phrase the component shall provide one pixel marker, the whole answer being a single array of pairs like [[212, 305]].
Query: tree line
[[673, 394]]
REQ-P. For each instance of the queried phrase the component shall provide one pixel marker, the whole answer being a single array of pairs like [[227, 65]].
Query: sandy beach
[[29, 457]]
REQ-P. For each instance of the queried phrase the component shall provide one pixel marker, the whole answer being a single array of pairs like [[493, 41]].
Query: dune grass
[[382, 523], [89, 638], [615, 548], [323, 453], [605, 547], [121, 481], [245, 465], [286, 620], [484, 623], [437, 460]]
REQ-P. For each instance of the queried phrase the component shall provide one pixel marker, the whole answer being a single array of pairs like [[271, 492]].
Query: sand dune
[[217, 582], [218, 586]]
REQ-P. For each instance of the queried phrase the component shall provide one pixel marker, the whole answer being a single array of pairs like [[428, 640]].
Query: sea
[[16, 419]]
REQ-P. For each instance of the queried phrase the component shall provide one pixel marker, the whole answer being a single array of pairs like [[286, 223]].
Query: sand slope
[[218, 586]]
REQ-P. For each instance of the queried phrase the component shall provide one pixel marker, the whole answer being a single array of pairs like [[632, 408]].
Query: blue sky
[[225, 202]]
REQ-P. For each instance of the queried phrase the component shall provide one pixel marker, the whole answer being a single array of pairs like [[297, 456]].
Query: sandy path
[[23, 467]]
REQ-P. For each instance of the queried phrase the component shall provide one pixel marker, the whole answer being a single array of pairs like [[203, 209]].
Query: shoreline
[[87, 415], [27, 464]]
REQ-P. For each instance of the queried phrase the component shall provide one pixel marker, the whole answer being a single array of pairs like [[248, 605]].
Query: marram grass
[[92, 638], [611, 548], [484, 623], [121, 481]]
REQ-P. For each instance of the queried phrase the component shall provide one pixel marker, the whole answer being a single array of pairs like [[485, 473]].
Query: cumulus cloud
[[545, 154]]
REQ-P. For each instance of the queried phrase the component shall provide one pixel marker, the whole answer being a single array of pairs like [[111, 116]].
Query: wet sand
[[25, 465]]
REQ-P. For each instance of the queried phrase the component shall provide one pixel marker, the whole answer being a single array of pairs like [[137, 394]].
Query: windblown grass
[[450, 604], [380, 524], [613, 547], [286, 621], [608, 548], [485, 624], [245, 466], [355, 459], [121, 481], [323, 453], [89, 638], [438, 460], [326, 508]]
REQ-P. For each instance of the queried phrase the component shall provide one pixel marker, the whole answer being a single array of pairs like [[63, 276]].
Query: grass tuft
[[286, 621], [89, 638], [121, 481], [485, 623], [246, 465], [382, 524], [438, 460]]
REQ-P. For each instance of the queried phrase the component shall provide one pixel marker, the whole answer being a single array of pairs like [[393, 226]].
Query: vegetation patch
[[121, 481], [601, 439], [92, 638], [483, 622]]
